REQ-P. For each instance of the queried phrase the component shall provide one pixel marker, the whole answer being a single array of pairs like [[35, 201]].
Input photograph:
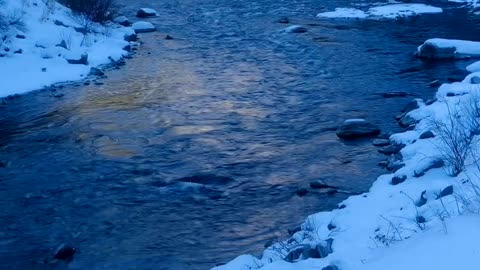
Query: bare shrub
[[100, 11]]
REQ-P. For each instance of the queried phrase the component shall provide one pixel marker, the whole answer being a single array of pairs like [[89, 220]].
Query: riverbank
[[44, 43], [421, 216]]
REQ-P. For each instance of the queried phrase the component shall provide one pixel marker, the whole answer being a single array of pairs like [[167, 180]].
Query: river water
[[234, 100]]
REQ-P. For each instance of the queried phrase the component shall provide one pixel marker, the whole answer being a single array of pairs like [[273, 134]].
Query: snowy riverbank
[[44, 44], [423, 215]]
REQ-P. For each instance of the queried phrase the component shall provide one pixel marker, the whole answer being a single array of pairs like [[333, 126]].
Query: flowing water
[[232, 102]]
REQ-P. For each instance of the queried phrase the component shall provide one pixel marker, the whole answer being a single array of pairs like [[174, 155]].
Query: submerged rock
[[391, 149], [407, 121], [296, 29], [65, 253], [146, 13], [320, 184], [432, 51], [357, 128], [381, 142]]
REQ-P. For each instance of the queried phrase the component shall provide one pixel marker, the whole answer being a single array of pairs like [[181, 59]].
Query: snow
[[149, 11], [42, 61], [463, 48], [392, 11], [407, 225]]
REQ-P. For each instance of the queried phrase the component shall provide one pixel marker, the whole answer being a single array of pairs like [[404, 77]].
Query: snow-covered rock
[[439, 48], [357, 128], [146, 13], [296, 29], [392, 11], [144, 27]]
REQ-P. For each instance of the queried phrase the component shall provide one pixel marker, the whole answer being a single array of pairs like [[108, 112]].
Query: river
[[232, 99]]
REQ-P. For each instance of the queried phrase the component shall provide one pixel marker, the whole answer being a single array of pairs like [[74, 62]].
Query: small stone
[[422, 201], [357, 128], [146, 13], [44, 69], [65, 253], [427, 135], [398, 179], [143, 27], [82, 61], [383, 163], [450, 94], [420, 219], [96, 72], [320, 184], [301, 192], [407, 121], [381, 142], [168, 37], [331, 226], [330, 267], [19, 51], [391, 149], [296, 29], [20, 36], [445, 192]]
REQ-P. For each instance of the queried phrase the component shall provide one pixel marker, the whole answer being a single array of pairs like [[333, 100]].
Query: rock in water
[[431, 51], [357, 128], [206, 179], [65, 253], [146, 13], [122, 20], [143, 27], [296, 29]]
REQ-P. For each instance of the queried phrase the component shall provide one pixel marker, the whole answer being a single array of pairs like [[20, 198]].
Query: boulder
[[325, 248], [294, 254], [82, 61], [398, 179], [143, 27], [96, 72], [130, 37], [146, 13], [412, 105], [431, 51], [407, 121], [296, 29], [357, 128], [122, 20], [168, 37], [427, 135]]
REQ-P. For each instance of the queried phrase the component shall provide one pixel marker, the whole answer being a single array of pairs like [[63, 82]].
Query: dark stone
[[123, 21], [127, 48], [60, 23], [435, 83], [320, 184], [331, 226], [44, 69], [130, 37], [62, 44], [398, 179], [19, 51], [168, 37], [341, 206], [301, 192], [96, 72], [309, 252], [427, 135], [412, 105], [19, 36], [407, 121], [383, 163], [357, 129], [294, 254], [430, 51], [475, 80], [420, 219], [450, 94], [143, 13], [422, 201], [381, 142], [206, 179], [82, 61], [283, 20], [391, 149], [330, 267], [291, 232], [65, 253], [325, 248], [445, 192], [99, 83]]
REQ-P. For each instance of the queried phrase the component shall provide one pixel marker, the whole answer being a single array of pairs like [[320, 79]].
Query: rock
[[445, 192], [130, 37], [381, 142], [44, 69], [391, 149], [62, 44], [146, 13], [395, 166], [331, 226], [143, 27], [81, 30], [431, 51], [60, 23], [407, 121], [398, 179], [20, 36], [206, 179], [325, 248], [296, 29], [435, 83], [420, 219], [383, 163], [475, 80], [127, 48], [122, 20], [65, 253], [301, 192], [309, 252], [19, 51], [99, 83], [394, 94], [168, 37], [357, 128], [412, 105], [422, 201], [320, 184], [82, 61], [284, 20], [330, 267], [294, 254], [291, 232], [96, 72], [427, 135]]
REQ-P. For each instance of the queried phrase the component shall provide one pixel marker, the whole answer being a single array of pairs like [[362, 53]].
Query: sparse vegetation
[[100, 11]]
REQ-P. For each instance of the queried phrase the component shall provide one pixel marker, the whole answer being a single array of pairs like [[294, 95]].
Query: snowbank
[[425, 215], [36, 53], [449, 48], [381, 12]]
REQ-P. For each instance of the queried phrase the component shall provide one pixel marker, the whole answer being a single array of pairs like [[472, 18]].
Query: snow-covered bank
[[37, 50], [381, 12], [424, 215]]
